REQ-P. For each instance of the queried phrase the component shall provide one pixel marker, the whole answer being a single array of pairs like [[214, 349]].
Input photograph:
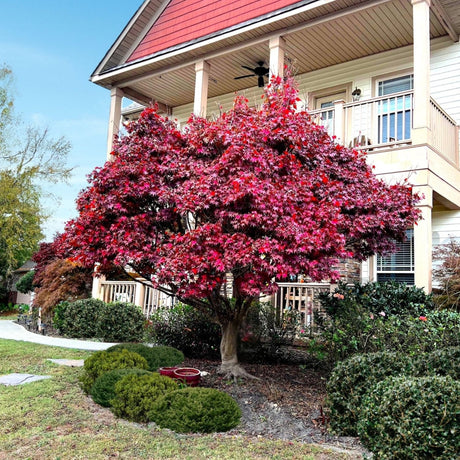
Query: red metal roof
[[186, 20]]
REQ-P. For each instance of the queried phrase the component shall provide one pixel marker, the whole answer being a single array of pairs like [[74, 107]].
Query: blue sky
[[53, 46]]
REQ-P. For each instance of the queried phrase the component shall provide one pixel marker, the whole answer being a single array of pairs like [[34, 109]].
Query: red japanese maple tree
[[255, 195]]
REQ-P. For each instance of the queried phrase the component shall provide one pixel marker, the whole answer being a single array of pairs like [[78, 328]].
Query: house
[[14, 296], [381, 75]]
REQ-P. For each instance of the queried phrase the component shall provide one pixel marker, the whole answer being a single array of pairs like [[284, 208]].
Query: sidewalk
[[13, 331]]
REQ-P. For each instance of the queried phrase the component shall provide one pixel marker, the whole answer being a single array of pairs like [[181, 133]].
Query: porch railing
[[300, 297], [444, 132], [386, 121]]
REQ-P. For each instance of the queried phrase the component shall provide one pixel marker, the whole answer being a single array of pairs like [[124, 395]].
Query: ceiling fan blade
[[247, 68], [244, 76]]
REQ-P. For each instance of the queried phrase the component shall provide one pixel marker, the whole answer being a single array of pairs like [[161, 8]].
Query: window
[[398, 266], [395, 113]]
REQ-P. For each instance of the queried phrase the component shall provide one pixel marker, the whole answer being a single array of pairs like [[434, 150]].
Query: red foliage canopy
[[258, 193]]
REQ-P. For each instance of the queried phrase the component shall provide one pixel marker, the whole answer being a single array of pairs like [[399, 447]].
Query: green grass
[[54, 419]]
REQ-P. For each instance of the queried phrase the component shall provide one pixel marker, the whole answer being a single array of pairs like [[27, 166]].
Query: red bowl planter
[[189, 375], [168, 371]]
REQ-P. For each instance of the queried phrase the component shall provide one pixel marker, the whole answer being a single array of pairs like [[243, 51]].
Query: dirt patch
[[287, 403]]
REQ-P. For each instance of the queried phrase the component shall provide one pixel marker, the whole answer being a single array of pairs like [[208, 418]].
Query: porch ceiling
[[335, 32]]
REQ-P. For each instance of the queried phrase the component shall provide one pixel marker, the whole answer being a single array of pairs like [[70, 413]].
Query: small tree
[[214, 214], [26, 282], [447, 275]]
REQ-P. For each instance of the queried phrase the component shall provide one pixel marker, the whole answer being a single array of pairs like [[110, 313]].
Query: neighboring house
[[15, 296], [382, 75]]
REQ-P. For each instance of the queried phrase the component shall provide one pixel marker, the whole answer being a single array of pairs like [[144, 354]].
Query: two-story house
[[381, 75]]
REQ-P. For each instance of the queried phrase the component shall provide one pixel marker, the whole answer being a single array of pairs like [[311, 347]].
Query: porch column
[[423, 241], [140, 295], [96, 292], [277, 46], [116, 96], [421, 132], [201, 88], [339, 127]]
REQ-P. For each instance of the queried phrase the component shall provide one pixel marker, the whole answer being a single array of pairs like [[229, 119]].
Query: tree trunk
[[229, 350]]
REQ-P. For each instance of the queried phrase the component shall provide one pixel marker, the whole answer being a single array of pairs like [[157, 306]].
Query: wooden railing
[[444, 132], [386, 121], [300, 297]]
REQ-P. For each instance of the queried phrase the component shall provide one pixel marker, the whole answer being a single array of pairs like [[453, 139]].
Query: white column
[[140, 295], [277, 46], [116, 96], [201, 88], [421, 132], [423, 241], [96, 292]]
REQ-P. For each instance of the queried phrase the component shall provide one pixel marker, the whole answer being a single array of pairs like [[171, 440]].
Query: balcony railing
[[386, 121]]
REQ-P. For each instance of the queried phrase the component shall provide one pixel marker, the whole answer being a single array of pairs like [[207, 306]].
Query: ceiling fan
[[260, 72]]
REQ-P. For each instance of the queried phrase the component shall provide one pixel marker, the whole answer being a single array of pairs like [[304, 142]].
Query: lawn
[[54, 419]]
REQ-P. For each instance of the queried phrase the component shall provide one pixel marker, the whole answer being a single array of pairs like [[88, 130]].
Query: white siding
[[446, 225]]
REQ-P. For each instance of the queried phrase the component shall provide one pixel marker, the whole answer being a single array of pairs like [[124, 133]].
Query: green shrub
[[60, 315], [412, 335], [390, 298], [444, 362], [196, 410], [80, 318], [103, 389], [25, 283], [120, 322], [135, 395], [188, 330], [103, 361], [351, 379], [158, 356], [409, 417]]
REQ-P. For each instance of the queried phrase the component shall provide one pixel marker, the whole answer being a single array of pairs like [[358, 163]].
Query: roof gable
[[184, 21]]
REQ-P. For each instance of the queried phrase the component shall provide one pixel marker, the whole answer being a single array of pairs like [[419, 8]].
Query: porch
[[300, 297]]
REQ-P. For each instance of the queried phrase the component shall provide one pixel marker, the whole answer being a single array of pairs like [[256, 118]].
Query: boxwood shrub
[[80, 318], [158, 356], [352, 378], [196, 410], [104, 361], [135, 395], [412, 417], [120, 322], [103, 389]]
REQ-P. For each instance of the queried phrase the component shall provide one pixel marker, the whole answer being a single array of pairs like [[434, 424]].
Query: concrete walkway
[[13, 331]]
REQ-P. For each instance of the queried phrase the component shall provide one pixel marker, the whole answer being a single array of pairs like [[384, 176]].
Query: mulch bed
[[286, 402]]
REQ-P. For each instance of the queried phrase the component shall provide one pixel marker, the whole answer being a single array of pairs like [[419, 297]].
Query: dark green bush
[[81, 318], [104, 361], [352, 378], [390, 298], [25, 283], [158, 356], [412, 418], [59, 315], [103, 389], [196, 410], [443, 362], [135, 395], [120, 322], [412, 335], [188, 330]]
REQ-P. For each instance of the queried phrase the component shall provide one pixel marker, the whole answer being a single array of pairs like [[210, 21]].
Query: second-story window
[[395, 112]]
